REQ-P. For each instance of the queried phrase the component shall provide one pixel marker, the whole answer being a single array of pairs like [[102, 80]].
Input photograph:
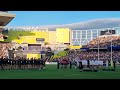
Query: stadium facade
[[82, 37], [35, 40], [61, 36]]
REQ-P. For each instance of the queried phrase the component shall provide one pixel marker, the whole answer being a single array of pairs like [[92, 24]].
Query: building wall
[[75, 47], [33, 56], [27, 36], [70, 37], [63, 35], [52, 37], [82, 37]]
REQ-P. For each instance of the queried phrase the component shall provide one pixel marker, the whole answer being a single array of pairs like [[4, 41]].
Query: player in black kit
[[21, 63], [1, 63]]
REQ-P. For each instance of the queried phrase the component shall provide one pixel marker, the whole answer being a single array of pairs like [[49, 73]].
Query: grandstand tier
[[57, 40], [5, 18]]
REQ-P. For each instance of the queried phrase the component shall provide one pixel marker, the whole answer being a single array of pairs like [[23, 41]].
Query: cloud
[[91, 24]]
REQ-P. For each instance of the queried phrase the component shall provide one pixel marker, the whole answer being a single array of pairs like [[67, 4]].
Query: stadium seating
[[4, 49], [90, 54], [104, 41]]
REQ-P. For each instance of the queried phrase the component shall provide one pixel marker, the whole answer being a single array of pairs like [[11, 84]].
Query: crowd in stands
[[89, 55], [1, 36], [4, 49], [93, 55], [104, 41], [104, 55]]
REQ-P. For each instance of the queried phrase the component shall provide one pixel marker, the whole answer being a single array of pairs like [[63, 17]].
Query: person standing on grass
[[7, 64], [0, 64], [39, 64], [114, 64], [4, 63], [25, 65], [19, 63], [11, 63], [16, 64], [107, 64], [34, 63], [28, 63], [58, 64], [31, 63], [43, 63], [77, 62]]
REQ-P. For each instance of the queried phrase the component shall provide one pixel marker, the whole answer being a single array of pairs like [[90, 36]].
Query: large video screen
[[40, 39], [107, 32]]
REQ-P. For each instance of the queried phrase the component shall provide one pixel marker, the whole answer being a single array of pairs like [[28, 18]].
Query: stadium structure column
[[111, 49], [98, 46], [109, 32]]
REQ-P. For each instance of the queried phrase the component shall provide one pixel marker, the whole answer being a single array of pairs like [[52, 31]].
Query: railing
[[29, 51]]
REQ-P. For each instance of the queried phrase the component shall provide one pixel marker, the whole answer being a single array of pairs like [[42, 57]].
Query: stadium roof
[[91, 24], [5, 18]]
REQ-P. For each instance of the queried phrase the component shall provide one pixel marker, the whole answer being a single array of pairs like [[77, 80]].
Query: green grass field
[[60, 54], [51, 72]]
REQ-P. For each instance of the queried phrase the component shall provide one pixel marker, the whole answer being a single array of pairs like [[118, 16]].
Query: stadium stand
[[4, 49], [33, 42], [5, 18], [104, 41]]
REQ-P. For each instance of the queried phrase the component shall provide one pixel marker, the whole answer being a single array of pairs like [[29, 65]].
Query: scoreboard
[[108, 32]]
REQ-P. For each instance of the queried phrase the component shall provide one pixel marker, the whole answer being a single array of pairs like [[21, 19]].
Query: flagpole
[[98, 49], [111, 49]]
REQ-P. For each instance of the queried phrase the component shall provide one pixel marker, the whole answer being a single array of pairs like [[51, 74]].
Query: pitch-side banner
[[84, 62], [51, 63]]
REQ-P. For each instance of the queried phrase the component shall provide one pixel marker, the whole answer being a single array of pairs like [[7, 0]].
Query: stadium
[[57, 43]]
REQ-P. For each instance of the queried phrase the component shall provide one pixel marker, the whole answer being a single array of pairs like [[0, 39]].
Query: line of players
[[20, 64], [85, 64]]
